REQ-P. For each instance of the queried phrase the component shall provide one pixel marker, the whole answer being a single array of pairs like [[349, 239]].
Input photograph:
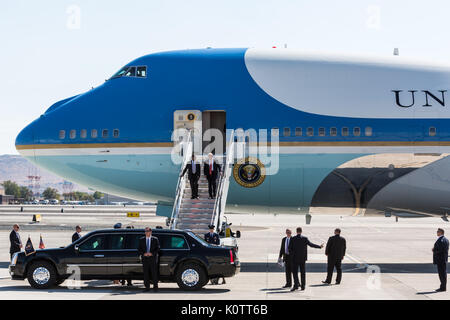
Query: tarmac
[[385, 259]]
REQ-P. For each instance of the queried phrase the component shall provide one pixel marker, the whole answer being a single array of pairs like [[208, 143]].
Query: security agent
[[77, 234], [298, 249], [335, 252], [440, 258], [213, 238], [15, 241], [286, 258], [193, 169], [149, 251]]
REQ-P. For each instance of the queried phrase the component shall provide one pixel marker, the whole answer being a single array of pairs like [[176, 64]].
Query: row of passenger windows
[[84, 133], [333, 131]]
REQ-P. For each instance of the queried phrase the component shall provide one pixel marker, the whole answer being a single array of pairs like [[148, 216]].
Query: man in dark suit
[[193, 169], [298, 249], [15, 241], [149, 250], [211, 169], [211, 236], [335, 251], [440, 258], [286, 258], [77, 234]]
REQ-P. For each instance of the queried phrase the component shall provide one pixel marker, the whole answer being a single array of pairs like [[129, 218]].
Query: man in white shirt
[[286, 258], [149, 250], [211, 169]]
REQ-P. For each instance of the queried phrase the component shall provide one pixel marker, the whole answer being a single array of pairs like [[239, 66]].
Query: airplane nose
[[25, 137]]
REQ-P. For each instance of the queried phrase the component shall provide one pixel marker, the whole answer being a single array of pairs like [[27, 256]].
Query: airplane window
[[333, 131], [432, 131], [368, 131], [298, 131], [73, 134], [116, 133], [275, 132], [321, 131], [94, 133], [83, 133], [62, 134], [120, 73], [356, 131], [141, 72], [344, 131], [131, 72], [105, 133], [310, 131], [286, 132]]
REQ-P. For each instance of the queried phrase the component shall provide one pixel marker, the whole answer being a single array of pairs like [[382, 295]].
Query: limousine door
[[90, 257], [132, 264], [173, 248]]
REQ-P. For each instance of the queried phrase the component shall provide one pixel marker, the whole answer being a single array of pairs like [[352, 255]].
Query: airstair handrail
[[222, 194], [187, 149]]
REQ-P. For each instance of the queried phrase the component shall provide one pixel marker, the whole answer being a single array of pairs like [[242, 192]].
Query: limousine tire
[[42, 275], [191, 276]]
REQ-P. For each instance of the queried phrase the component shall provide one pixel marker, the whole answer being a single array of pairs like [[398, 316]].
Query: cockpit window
[[139, 72], [131, 72]]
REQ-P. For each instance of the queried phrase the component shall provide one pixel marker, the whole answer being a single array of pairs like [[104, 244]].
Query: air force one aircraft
[[326, 110]]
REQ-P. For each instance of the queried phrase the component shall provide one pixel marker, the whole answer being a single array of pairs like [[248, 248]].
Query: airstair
[[196, 214]]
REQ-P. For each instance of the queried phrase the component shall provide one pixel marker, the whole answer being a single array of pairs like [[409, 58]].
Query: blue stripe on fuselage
[[142, 109]]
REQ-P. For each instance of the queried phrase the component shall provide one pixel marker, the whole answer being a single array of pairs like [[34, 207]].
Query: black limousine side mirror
[[238, 234]]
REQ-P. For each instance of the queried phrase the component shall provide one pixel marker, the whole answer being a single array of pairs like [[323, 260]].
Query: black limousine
[[112, 254]]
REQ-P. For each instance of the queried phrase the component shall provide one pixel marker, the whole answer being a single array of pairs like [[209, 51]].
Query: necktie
[[148, 245], [193, 167], [210, 168], [287, 246]]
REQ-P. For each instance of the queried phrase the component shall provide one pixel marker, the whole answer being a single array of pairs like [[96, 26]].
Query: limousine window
[[94, 243], [62, 134], [117, 241], [166, 241]]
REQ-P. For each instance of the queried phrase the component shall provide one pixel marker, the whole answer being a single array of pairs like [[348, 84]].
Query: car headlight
[[14, 259]]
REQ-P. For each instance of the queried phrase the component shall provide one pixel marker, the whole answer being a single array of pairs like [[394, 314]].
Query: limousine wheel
[[191, 276], [41, 275]]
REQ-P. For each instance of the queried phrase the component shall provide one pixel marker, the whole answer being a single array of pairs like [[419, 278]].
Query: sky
[[51, 50]]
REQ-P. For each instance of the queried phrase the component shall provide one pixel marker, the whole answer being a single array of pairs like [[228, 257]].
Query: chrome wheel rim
[[41, 275], [190, 277]]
